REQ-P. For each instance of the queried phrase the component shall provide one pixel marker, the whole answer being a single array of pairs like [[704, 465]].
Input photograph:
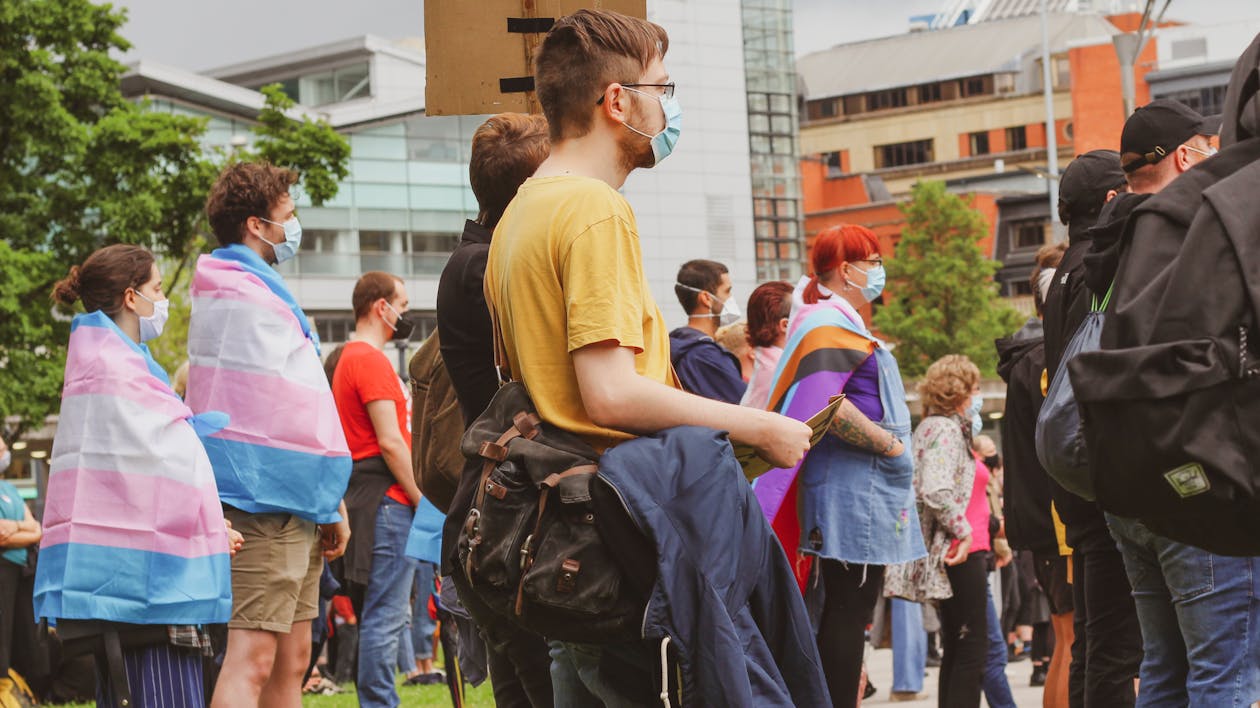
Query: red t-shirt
[[364, 375]]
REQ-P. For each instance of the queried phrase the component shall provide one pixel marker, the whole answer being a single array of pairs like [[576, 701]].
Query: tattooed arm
[[852, 426]]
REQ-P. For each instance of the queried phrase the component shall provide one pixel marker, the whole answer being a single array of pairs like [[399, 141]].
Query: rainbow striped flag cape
[[133, 529], [821, 353], [254, 356]]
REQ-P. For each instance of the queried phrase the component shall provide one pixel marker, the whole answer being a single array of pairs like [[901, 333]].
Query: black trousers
[[1108, 643], [852, 591], [964, 633], [520, 668]]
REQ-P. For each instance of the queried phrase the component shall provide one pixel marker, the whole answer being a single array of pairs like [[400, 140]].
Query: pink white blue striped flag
[[133, 528], [253, 355]]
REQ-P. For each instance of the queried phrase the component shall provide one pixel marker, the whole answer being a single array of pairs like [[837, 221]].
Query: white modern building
[[403, 206]]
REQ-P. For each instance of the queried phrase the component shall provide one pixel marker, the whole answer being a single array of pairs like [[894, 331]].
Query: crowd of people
[[300, 521]]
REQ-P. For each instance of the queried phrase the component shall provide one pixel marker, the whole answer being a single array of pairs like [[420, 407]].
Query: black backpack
[[536, 545], [1171, 405]]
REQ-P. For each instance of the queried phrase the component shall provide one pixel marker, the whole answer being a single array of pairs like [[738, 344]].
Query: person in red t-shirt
[[373, 405]]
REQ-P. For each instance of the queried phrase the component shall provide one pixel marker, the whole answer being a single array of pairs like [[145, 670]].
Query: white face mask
[[730, 312], [151, 326]]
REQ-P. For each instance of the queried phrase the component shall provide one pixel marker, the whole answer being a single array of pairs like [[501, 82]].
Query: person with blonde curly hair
[[954, 518]]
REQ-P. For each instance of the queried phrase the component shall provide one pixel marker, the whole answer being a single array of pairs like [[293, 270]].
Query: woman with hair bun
[[857, 511], [135, 553], [769, 307]]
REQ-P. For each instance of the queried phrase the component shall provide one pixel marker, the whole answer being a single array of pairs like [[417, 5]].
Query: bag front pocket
[[508, 511], [572, 568]]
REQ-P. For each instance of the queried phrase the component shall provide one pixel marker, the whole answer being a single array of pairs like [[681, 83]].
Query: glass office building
[[774, 151]]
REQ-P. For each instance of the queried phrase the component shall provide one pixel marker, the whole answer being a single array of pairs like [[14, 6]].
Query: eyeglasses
[[667, 93], [875, 261]]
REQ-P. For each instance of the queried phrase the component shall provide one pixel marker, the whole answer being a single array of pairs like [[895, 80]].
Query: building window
[[930, 93], [881, 100], [834, 162], [826, 108], [336, 86], [1027, 235], [915, 152], [977, 86], [979, 143], [333, 327], [1016, 138], [1062, 74], [1208, 101], [1017, 288]]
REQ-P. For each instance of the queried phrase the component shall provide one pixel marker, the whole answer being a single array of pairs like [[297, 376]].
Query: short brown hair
[[584, 53], [245, 189], [697, 275], [372, 286], [506, 150], [947, 384], [104, 278]]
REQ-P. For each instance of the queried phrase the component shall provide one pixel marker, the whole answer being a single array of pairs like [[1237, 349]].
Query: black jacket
[[1067, 303], [1026, 499], [463, 322], [1169, 402]]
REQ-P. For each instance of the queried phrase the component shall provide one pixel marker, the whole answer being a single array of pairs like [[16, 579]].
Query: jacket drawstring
[[665, 672]]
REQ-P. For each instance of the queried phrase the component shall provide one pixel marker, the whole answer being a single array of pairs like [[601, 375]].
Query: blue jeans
[[909, 645], [422, 625], [1200, 617], [997, 690], [614, 675], [385, 604]]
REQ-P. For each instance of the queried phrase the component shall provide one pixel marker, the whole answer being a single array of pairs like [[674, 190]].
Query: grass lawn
[[418, 696]]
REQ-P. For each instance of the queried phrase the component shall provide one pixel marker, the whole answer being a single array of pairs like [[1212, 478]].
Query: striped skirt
[[159, 676]]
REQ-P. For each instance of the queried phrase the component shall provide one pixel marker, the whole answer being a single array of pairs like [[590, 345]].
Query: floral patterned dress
[[944, 472]]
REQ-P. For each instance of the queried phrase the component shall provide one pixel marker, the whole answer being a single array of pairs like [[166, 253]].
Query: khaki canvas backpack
[[437, 425]]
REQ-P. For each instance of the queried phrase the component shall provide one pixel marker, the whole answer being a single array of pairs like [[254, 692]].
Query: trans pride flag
[[819, 357], [133, 529], [253, 355]]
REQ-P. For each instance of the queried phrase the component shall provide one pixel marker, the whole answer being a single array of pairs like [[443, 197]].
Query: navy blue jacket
[[724, 593], [704, 367]]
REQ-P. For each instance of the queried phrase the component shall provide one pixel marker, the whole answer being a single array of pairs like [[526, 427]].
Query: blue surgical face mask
[[664, 141], [874, 282], [977, 423], [5, 460], [287, 248]]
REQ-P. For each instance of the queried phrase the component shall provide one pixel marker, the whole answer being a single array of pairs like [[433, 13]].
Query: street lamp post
[[1052, 137]]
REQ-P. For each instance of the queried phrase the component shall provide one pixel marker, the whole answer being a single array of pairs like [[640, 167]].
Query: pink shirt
[[978, 509]]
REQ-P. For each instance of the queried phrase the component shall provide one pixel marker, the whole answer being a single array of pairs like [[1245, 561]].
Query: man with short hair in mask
[[375, 413], [704, 367], [281, 463]]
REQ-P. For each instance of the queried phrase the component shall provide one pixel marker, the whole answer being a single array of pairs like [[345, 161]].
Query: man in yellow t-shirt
[[565, 278]]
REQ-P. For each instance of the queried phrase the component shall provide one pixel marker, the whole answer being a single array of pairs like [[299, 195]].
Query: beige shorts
[[275, 575]]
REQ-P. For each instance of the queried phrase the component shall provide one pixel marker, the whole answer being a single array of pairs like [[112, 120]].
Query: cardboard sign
[[479, 53]]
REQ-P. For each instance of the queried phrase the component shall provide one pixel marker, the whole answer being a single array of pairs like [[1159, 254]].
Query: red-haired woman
[[769, 307], [857, 511]]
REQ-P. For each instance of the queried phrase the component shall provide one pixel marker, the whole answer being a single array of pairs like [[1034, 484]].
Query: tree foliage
[[944, 299], [82, 167]]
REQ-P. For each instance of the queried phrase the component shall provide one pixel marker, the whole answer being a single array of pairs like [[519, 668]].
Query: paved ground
[[881, 674]]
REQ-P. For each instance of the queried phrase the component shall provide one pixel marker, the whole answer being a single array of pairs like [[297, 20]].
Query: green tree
[[945, 300], [82, 167]]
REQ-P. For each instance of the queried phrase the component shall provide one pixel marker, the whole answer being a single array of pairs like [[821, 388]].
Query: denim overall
[[858, 506]]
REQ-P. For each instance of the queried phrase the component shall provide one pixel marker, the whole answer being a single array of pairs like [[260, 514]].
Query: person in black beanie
[[1107, 649]]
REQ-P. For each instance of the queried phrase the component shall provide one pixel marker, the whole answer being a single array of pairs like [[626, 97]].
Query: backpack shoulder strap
[[501, 366]]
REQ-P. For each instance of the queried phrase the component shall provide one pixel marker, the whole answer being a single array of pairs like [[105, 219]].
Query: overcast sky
[[204, 35]]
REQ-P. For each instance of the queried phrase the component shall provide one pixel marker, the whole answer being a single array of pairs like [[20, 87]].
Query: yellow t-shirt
[[565, 271]]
